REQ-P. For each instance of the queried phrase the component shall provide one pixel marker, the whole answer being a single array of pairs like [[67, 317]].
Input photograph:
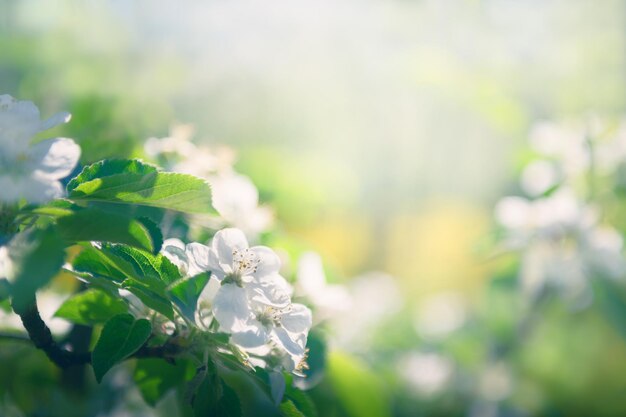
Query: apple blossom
[[32, 171]]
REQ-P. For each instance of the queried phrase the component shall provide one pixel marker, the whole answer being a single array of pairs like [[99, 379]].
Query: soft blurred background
[[383, 133]]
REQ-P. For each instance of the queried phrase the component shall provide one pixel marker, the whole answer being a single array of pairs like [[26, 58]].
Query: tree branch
[[41, 337]]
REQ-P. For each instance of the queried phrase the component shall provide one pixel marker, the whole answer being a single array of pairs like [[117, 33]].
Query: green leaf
[[121, 336], [216, 399], [254, 396], [91, 307], [358, 389], [186, 291], [142, 273], [133, 182], [289, 409], [37, 256], [155, 377], [108, 167], [150, 298], [302, 401], [93, 261], [611, 298], [155, 232], [155, 271], [5, 289], [91, 224]]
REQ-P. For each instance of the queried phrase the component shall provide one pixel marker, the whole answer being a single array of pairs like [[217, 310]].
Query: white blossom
[[562, 243], [247, 296], [328, 300], [427, 373], [6, 264], [440, 314], [236, 199], [32, 171], [375, 297]]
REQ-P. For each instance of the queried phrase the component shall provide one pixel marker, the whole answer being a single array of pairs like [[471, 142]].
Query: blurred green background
[[382, 133]]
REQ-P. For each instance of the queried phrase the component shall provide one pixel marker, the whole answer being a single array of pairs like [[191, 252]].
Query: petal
[[253, 337], [234, 195], [311, 277], [271, 290], [198, 255], [55, 120], [210, 291], [227, 240], [295, 346], [269, 262], [54, 158], [219, 270], [298, 319], [32, 188], [231, 308], [174, 250], [19, 122]]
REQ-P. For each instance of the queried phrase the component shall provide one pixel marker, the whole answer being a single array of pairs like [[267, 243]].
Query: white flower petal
[[54, 158], [55, 120], [298, 319], [33, 189], [209, 292], [269, 262], [234, 195], [231, 308], [311, 277], [295, 346], [271, 290], [174, 250], [219, 270], [19, 122], [227, 240], [253, 337], [6, 264], [198, 255]]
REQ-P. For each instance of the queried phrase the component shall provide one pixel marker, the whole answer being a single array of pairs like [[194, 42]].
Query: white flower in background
[[566, 144], [538, 177], [328, 300], [559, 213], [236, 199], [48, 302], [178, 153], [562, 244], [495, 382], [375, 298], [32, 171], [6, 264], [439, 315], [177, 144], [427, 373]]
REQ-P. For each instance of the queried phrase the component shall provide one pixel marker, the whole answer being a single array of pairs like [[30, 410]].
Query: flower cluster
[[247, 298], [32, 171], [560, 233]]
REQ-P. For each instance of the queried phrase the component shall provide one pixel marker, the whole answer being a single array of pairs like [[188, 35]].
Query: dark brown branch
[[41, 337]]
